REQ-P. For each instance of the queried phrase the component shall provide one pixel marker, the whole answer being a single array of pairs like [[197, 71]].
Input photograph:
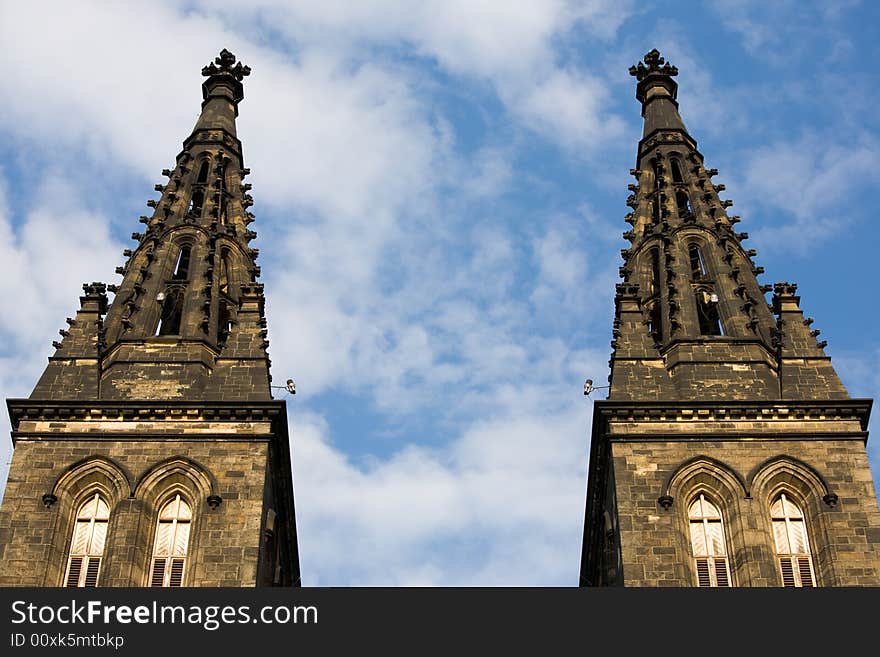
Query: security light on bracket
[[589, 387], [289, 387]]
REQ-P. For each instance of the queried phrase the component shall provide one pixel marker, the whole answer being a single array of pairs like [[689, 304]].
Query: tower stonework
[[151, 451], [728, 452]]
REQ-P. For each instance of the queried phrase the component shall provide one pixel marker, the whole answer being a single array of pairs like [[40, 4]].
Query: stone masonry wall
[[225, 543], [845, 538]]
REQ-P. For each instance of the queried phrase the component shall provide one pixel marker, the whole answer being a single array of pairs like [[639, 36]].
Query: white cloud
[[423, 516], [401, 270], [805, 180], [781, 32], [33, 287]]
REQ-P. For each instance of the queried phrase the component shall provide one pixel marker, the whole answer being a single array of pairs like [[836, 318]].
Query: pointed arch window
[[792, 544], [676, 171], [181, 267], [655, 270], [172, 311], [224, 271], [707, 543], [196, 203], [172, 543], [87, 543], [683, 203], [202, 178], [654, 314], [707, 313], [698, 266]]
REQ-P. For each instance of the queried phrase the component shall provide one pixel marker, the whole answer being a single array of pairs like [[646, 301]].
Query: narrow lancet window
[[87, 543], [224, 272], [172, 543], [655, 271], [197, 201], [224, 322], [792, 545], [172, 311], [708, 544], [683, 203], [698, 268], [203, 173], [181, 268], [676, 171], [707, 313], [655, 325]]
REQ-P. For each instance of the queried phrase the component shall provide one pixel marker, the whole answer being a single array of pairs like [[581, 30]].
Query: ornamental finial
[[225, 63], [654, 63]]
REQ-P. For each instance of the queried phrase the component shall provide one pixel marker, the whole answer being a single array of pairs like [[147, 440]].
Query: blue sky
[[439, 190]]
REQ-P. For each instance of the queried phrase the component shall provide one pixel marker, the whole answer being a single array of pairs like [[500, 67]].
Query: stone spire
[[657, 92], [187, 320], [691, 319]]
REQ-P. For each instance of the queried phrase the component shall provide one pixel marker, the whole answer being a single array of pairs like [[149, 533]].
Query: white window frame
[[795, 568], [168, 570], [84, 566], [711, 569]]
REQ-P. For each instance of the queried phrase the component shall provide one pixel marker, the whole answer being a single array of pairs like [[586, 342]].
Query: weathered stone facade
[[717, 396], [163, 394]]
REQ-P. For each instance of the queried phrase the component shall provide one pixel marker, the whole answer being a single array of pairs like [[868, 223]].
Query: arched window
[[655, 270], [181, 268], [87, 543], [707, 313], [698, 267], [203, 172], [792, 545], [172, 542], [654, 314], [676, 171], [172, 311], [224, 322], [655, 209], [707, 543], [683, 202], [224, 271], [658, 172], [197, 201]]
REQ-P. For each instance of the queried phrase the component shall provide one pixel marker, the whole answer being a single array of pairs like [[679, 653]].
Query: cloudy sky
[[439, 190]]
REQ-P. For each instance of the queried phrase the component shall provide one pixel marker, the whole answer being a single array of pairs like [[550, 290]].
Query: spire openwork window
[[653, 303], [698, 266], [172, 543], [87, 543], [676, 171], [792, 544], [708, 544], [683, 203]]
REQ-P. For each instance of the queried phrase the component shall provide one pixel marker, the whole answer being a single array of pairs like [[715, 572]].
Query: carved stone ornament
[[830, 499], [225, 63]]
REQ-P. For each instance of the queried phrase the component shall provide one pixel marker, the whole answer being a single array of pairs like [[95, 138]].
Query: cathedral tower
[[728, 452], [151, 452]]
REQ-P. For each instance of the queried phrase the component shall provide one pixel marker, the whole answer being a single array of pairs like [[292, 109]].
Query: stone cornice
[[36, 410], [732, 411], [665, 137]]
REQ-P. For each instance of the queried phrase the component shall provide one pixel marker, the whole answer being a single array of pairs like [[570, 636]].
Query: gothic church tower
[[151, 452], [728, 452]]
